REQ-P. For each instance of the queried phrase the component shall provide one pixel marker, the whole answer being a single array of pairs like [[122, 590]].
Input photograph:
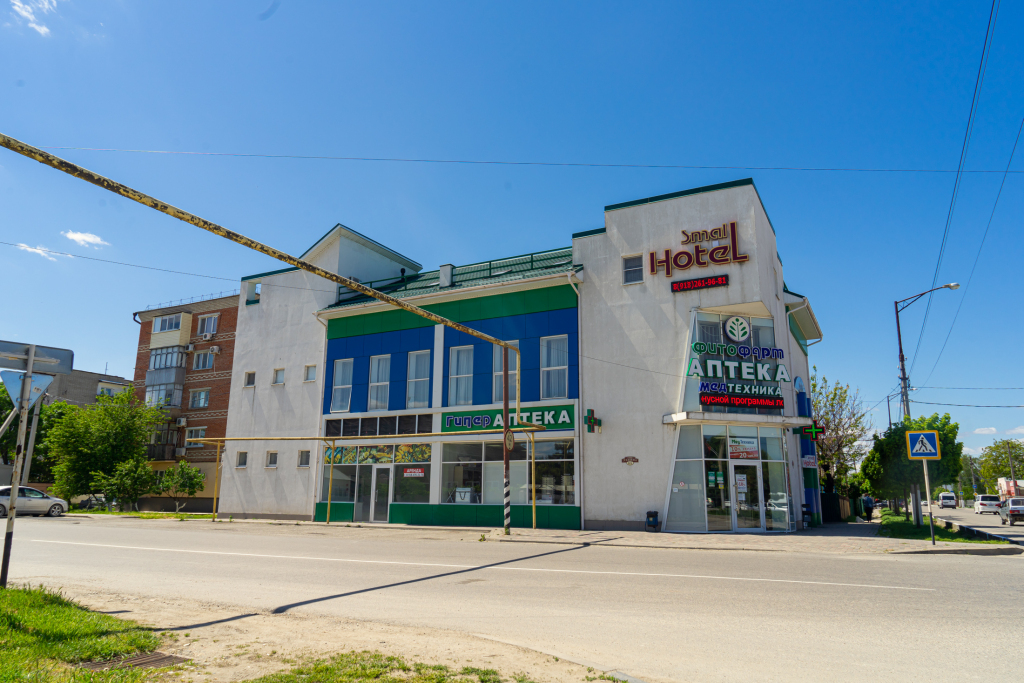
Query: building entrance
[[746, 487], [381, 493]]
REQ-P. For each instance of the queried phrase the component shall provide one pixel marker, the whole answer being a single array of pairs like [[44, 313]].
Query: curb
[[963, 551], [636, 545], [957, 526]]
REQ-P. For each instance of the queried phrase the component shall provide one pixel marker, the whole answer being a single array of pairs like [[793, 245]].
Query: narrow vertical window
[[380, 375], [460, 376], [513, 368], [341, 396], [554, 367], [310, 374], [417, 391], [278, 376], [632, 270], [241, 459]]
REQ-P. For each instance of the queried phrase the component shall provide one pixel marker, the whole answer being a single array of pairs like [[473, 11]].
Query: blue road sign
[[923, 445], [12, 382]]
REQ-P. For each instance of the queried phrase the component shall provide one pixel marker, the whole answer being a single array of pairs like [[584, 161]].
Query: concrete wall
[[634, 341]]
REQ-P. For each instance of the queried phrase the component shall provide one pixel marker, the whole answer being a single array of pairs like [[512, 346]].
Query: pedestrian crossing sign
[[923, 445]]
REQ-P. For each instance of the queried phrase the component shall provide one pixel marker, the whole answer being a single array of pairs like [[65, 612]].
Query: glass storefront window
[[776, 496], [462, 482], [771, 443], [342, 484], [556, 482], [715, 443], [743, 443], [689, 446], [364, 480], [496, 452], [718, 501], [412, 483], [469, 451], [687, 500], [554, 450]]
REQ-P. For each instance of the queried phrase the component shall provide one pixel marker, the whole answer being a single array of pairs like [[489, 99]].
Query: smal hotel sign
[[724, 249]]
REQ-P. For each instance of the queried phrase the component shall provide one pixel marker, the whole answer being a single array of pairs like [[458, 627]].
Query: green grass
[[894, 525], [41, 632], [144, 515], [354, 667]]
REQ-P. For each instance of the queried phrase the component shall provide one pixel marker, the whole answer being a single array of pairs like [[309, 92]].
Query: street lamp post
[[905, 387]]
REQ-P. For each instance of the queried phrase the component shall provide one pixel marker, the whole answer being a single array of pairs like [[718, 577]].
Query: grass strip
[[355, 667], [143, 515], [895, 525]]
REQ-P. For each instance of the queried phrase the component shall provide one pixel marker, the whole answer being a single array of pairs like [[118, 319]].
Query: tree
[[840, 413], [93, 440], [131, 479], [181, 482], [41, 469], [994, 462], [889, 471]]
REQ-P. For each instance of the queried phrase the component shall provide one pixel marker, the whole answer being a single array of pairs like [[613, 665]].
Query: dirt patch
[[226, 644]]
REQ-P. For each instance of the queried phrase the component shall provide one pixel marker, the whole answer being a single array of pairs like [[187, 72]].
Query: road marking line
[[475, 566]]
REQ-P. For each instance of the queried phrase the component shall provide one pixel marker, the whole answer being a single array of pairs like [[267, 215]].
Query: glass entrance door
[[718, 504], [381, 492], [746, 486]]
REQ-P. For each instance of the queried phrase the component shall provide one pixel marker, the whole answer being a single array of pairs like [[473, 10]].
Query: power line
[[978, 82], [119, 263], [493, 162], [962, 405], [978, 255], [974, 388]]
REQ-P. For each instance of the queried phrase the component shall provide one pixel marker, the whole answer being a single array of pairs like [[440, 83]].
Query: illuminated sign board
[[725, 248], [700, 283], [552, 417], [741, 401]]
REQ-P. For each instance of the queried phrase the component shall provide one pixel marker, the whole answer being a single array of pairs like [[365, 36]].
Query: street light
[[905, 387]]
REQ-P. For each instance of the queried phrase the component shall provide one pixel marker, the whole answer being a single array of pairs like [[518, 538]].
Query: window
[[250, 379], [208, 324], [105, 391], [341, 396], [278, 376], [632, 270], [380, 373], [203, 361], [194, 433], [554, 367], [271, 459], [417, 387], [462, 472], [167, 357], [776, 274], [412, 483], [163, 395], [167, 323], [460, 376], [303, 458], [513, 368], [309, 375], [240, 459], [199, 399]]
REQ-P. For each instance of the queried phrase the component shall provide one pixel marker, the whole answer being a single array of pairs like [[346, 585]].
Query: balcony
[[160, 452]]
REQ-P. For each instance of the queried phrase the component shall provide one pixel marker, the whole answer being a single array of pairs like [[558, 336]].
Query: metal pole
[[888, 409], [216, 482], [928, 494], [32, 441], [904, 381], [533, 476], [1013, 474], [504, 441], [330, 485], [19, 458]]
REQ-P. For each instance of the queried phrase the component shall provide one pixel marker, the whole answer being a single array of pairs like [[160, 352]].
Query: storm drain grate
[[150, 660]]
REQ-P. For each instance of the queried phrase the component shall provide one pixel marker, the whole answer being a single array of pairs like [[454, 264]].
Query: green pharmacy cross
[[812, 432], [592, 421]]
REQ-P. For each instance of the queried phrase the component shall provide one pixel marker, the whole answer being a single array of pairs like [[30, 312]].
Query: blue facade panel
[[526, 329]]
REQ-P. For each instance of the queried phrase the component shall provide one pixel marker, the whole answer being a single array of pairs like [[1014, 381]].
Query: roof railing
[[195, 299]]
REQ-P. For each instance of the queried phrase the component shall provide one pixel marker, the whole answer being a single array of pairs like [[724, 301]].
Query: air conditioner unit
[[181, 422], [214, 349], [179, 452], [207, 336], [190, 348]]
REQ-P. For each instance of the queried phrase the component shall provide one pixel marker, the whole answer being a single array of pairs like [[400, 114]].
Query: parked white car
[[947, 500], [32, 502], [1012, 511], [986, 503]]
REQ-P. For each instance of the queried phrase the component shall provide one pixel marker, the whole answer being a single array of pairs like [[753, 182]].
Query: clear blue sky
[[861, 85]]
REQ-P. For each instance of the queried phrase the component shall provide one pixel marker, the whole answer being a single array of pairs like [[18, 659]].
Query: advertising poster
[[744, 447], [741, 483]]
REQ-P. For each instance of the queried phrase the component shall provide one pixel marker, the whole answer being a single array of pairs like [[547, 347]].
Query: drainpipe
[[317, 483]]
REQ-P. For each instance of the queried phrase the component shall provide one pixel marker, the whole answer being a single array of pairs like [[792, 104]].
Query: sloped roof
[[525, 267]]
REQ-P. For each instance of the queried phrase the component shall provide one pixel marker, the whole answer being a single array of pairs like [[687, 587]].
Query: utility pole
[[19, 459], [508, 435]]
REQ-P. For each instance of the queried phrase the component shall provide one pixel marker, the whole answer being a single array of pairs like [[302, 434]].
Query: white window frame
[[246, 384], [376, 385], [241, 459], [453, 377], [305, 373], [554, 368], [335, 386], [499, 374], [204, 321], [299, 460], [195, 360], [267, 465], [410, 381], [273, 377], [189, 433], [624, 269], [196, 392], [158, 323]]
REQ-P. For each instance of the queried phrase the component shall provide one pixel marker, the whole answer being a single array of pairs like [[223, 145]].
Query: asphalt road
[[985, 521], [657, 615]]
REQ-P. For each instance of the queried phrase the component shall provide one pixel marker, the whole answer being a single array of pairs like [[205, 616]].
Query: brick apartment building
[[184, 364]]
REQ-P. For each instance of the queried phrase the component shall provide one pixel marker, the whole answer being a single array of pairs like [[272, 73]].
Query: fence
[[834, 508]]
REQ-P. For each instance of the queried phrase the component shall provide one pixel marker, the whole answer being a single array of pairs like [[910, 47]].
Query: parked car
[[1011, 510], [32, 502], [947, 500], [986, 503]]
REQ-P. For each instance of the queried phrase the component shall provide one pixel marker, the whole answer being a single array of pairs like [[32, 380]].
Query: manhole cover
[[149, 660]]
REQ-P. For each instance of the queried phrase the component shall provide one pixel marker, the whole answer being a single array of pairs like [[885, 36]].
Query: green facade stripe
[[464, 310], [588, 233], [548, 516], [340, 512], [810, 478]]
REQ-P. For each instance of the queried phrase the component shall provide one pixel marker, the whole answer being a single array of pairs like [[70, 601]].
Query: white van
[[947, 500]]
